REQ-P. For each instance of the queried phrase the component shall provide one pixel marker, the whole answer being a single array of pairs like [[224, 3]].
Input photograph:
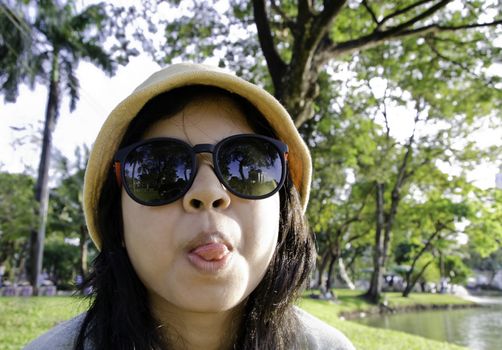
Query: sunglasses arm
[[118, 177]]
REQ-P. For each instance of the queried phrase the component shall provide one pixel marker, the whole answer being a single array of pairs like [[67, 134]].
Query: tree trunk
[[344, 275], [411, 283], [384, 222], [375, 290], [42, 185], [329, 293], [322, 267], [19, 265], [331, 275], [334, 255], [407, 290]]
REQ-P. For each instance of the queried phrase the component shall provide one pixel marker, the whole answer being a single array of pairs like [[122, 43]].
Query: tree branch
[[426, 246], [404, 164], [427, 13], [436, 28], [457, 63], [331, 10], [415, 280], [382, 108], [287, 21], [403, 11], [332, 49], [396, 189], [304, 10], [303, 68], [372, 13], [356, 237], [276, 65], [278, 9]]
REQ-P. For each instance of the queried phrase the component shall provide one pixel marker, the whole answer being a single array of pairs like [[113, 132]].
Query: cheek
[[261, 231], [147, 235], [144, 223]]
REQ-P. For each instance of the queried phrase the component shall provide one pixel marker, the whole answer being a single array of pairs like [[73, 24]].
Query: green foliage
[[16, 40], [56, 37], [16, 209], [491, 263], [202, 30], [431, 272], [61, 262], [456, 269], [485, 228], [66, 221], [17, 219], [67, 215], [427, 230], [35, 34]]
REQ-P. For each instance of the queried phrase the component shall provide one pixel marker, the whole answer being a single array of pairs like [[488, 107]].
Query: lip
[[214, 241]]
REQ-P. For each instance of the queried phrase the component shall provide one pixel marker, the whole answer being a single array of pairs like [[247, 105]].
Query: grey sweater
[[319, 335]]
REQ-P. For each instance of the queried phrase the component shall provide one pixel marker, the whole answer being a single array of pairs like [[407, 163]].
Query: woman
[[194, 194]]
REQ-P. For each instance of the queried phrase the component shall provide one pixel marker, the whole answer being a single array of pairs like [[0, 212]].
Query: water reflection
[[477, 329]]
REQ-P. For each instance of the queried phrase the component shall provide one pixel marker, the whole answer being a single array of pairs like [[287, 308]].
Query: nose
[[206, 191]]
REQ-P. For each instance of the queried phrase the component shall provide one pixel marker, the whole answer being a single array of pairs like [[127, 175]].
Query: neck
[[189, 330]]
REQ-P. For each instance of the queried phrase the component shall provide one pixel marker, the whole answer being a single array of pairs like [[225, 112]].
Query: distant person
[[211, 263]]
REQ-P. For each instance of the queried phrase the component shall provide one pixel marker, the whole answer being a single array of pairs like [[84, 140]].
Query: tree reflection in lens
[[250, 167], [158, 171]]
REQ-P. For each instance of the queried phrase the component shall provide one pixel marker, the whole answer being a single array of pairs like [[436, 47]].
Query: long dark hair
[[119, 316]]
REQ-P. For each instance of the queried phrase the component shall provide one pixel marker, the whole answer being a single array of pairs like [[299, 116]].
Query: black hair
[[119, 316]]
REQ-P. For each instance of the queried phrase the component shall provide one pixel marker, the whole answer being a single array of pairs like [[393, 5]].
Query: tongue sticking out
[[211, 251]]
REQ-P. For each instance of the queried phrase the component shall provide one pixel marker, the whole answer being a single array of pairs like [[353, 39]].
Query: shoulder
[[320, 335], [61, 337]]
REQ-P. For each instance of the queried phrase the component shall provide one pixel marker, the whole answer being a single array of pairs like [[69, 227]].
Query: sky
[[99, 94]]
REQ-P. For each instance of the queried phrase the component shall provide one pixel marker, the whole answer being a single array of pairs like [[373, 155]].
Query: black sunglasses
[[158, 171]]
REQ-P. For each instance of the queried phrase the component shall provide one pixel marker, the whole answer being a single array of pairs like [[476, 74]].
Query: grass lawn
[[23, 319], [349, 301]]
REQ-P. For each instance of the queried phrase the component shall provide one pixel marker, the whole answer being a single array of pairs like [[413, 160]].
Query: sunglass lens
[[158, 172], [250, 167]]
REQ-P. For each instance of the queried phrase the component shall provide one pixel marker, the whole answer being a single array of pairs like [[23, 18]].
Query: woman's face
[[207, 251]]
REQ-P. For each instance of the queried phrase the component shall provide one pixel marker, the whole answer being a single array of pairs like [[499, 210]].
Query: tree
[[66, 209], [43, 42], [339, 207], [440, 129], [17, 219], [432, 230], [485, 229], [297, 40]]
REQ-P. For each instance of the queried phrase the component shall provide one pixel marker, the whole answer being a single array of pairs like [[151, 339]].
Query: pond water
[[475, 328]]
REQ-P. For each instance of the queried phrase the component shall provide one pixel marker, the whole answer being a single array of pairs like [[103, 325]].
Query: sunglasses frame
[[214, 149]]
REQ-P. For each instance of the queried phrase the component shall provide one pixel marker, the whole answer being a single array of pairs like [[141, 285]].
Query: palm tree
[[43, 42]]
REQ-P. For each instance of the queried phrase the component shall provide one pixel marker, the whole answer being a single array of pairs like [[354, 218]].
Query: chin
[[210, 301]]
